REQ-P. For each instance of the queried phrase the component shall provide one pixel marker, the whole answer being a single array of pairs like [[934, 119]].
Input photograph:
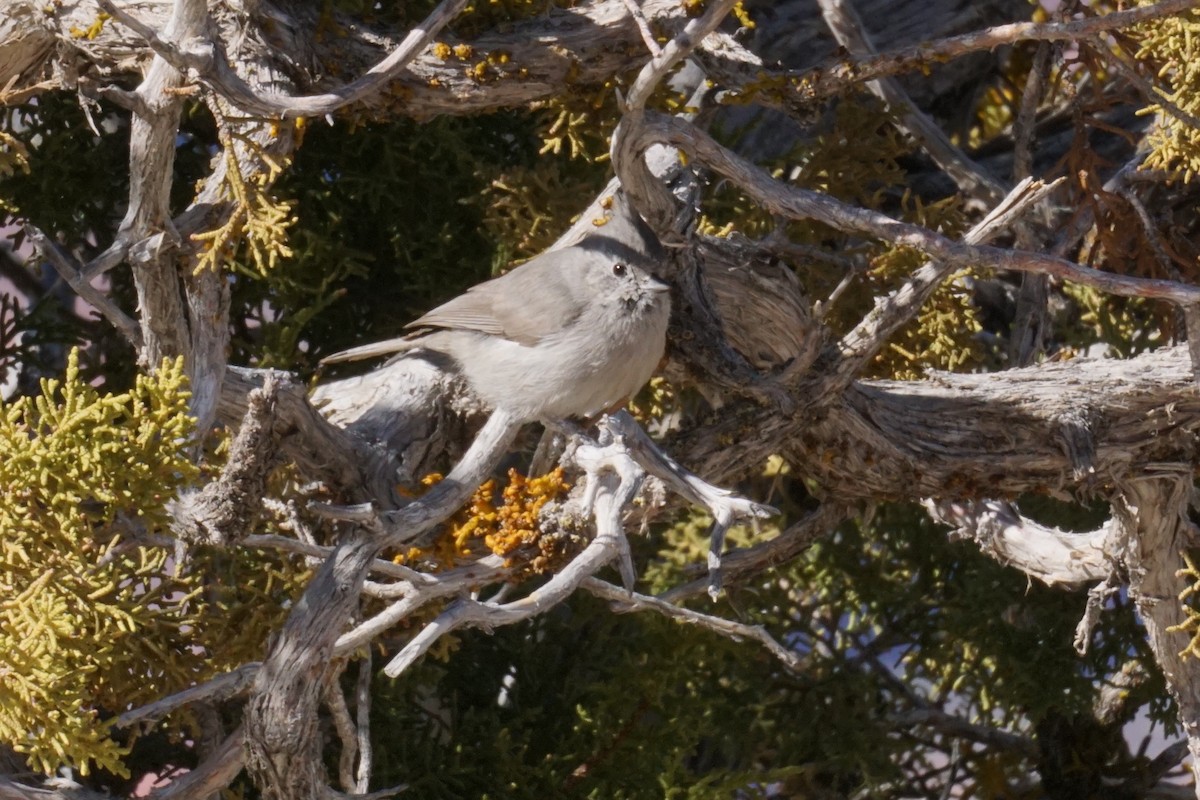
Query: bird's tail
[[373, 350]]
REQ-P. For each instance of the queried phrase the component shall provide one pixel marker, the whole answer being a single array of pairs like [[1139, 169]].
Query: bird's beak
[[653, 284]]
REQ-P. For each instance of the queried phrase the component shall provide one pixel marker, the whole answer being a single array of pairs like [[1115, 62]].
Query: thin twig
[[1025, 123], [335, 701], [68, 268], [487, 570], [643, 26], [795, 539], [362, 713], [827, 80], [220, 687], [847, 28], [805, 204], [676, 50], [626, 601], [321, 552], [1149, 90], [894, 311]]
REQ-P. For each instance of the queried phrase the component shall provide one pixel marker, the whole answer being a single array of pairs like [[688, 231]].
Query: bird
[[573, 332]]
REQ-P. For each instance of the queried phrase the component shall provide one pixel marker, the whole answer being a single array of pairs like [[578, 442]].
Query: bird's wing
[[386, 347], [533, 301]]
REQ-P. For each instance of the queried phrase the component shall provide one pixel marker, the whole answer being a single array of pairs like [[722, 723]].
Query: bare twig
[[487, 570], [221, 687], [804, 204], [795, 539], [68, 268], [894, 311], [362, 713], [335, 701], [281, 715], [676, 50], [643, 25], [725, 506], [827, 80], [1149, 90], [212, 775], [1191, 313], [601, 551], [1097, 596], [1024, 124], [625, 601], [848, 29]]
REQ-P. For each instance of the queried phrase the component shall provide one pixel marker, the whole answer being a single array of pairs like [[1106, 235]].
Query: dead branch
[[205, 59], [1046, 553]]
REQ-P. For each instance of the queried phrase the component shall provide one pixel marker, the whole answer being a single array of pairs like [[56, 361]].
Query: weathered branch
[[795, 539], [1152, 510], [281, 720], [75, 277], [902, 305], [957, 436], [1043, 552], [624, 601], [323, 452], [220, 687], [206, 59], [224, 510]]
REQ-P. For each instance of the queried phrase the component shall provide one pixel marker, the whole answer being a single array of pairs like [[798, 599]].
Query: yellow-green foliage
[[80, 608], [14, 157], [1172, 45], [527, 207], [258, 218], [92, 620], [1189, 599], [943, 334], [1128, 325]]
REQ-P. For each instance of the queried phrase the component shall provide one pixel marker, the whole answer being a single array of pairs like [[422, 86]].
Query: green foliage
[[14, 158], [70, 178], [891, 596], [582, 703], [73, 188]]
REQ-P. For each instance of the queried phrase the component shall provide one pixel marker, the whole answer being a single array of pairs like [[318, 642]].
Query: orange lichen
[[480, 526]]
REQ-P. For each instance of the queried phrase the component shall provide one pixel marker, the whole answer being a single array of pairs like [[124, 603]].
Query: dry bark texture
[[778, 381]]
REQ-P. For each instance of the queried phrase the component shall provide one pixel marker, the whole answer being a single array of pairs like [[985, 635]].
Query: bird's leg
[[612, 480]]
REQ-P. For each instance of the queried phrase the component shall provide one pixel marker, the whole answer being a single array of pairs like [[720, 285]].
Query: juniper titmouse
[[570, 332]]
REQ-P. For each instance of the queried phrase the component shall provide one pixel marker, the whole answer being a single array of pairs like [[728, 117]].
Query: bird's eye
[[619, 270]]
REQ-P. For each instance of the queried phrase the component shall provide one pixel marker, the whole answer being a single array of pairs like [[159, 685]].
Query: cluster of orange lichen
[[481, 526]]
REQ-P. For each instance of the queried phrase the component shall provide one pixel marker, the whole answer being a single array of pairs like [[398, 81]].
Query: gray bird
[[571, 332]]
